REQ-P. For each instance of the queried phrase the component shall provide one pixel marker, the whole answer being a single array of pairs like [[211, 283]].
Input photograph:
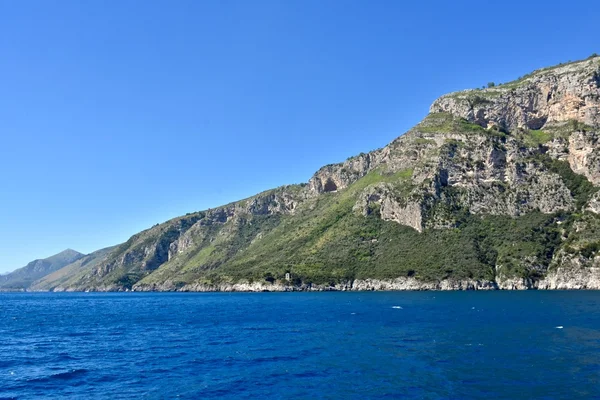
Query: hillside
[[22, 278], [79, 266], [495, 188]]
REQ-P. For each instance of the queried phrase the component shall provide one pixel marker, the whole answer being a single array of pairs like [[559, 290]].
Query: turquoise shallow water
[[300, 345]]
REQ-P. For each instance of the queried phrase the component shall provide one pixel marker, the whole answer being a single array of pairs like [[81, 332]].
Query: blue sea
[[433, 345]]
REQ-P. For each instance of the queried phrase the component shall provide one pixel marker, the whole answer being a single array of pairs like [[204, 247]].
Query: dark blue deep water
[[300, 345]]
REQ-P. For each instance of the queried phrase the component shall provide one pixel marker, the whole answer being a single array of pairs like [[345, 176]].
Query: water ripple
[[154, 346]]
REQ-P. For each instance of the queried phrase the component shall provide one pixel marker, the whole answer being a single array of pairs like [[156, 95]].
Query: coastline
[[561, 279]]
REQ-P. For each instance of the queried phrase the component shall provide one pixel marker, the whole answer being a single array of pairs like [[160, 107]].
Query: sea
[[327, 345]]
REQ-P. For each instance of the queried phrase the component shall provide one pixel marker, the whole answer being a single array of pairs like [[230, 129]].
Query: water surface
[[300, 345]]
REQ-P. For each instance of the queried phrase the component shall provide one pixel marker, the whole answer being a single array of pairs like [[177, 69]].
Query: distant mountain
[[495, 188], [56, 279], [22, 278]]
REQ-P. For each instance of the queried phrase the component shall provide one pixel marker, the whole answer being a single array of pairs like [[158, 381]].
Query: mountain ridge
[[23, 277], [485, 167]]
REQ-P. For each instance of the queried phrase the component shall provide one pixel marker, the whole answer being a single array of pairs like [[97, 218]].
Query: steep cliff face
[[545, 97], [495, 188], [334, 177]]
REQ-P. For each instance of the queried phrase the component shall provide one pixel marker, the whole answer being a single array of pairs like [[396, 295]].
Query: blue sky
[[117, 115]]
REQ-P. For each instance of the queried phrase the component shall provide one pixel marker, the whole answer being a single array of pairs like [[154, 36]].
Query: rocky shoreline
[[562, 279]]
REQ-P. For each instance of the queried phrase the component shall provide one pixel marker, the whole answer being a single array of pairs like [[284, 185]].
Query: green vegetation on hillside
[[447, 123], [343, 246], [327, 242]]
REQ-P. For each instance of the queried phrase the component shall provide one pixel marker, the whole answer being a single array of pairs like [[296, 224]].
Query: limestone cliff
[[546, 97]]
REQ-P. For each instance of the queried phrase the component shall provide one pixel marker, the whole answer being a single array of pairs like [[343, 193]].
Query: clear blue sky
[[116, 115]]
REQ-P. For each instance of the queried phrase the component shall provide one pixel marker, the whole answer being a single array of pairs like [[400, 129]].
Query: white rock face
[[391, 207], [594, 204], [414, 284], [548, 96], [571, 279], [334, 177], [584, 155]]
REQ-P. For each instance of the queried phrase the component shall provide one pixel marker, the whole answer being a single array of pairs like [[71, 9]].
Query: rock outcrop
[[381, 198], [584, 154], [548, 96]]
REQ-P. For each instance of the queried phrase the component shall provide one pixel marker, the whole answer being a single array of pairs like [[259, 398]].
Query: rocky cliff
[[495, 189], [546, 97]]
